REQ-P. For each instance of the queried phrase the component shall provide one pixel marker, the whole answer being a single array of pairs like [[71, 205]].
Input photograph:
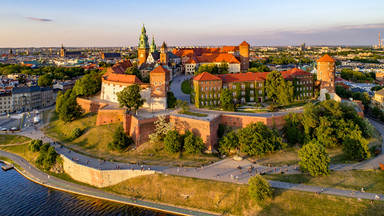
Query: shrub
[[172, 143], [76, 132], [35, 145], [259, 188], [192, 144], [171, 100], [120, 140], [314, 158], [355, 146]]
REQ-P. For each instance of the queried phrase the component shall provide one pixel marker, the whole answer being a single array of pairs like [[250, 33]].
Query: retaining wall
[[99, 178]]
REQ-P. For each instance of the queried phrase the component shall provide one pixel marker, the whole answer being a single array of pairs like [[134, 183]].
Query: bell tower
[[244, 56], [143, 49], [164, 54], [152, 48]]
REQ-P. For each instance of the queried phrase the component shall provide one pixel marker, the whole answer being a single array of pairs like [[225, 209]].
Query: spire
[[152, 48], [143, 41], [143, 31], [163, 48]]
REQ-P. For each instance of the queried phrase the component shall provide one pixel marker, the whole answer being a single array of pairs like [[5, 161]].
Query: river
[[19, 196]]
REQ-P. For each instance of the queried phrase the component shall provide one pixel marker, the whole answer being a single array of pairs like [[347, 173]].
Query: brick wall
[[109, 116], [90, 106], [243, 121]]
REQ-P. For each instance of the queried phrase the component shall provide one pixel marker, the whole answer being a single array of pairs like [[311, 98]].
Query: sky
[[96, 23]]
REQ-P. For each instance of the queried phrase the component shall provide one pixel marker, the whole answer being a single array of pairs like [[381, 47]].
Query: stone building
[[26, 98], [6, 103], [326, 67], [246, 87], [67, 54]]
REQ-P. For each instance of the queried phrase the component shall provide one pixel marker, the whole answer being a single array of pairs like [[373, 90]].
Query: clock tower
[[143, 49]]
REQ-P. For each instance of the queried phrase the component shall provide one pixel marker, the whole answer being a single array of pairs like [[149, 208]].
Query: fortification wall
[[99, 178], [243, 121], [90, 106], [109, 116]]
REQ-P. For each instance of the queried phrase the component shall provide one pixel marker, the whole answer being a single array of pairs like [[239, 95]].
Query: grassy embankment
[[94, 142], [6, 139], [233, 198]]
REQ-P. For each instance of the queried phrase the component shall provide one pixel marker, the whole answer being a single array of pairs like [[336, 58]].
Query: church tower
[[164, 54], [143, 49], [152, 48], [62, 51], [244, 56]]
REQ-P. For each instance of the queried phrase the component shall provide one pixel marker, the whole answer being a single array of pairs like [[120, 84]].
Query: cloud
[[38, 20]]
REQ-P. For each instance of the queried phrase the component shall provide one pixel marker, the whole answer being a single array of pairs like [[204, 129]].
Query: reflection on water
[[19, 196]]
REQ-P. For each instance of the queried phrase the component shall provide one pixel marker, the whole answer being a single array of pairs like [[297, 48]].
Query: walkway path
[[176, 88], [42, 178]]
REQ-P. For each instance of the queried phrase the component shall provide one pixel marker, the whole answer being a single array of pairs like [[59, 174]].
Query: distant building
[[6, 103], [110, 56], [379, 98], [63, 86], [29, 98], [326, 67], [73, 54], [380, 76]]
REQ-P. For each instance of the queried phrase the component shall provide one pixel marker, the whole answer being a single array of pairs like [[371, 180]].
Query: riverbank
[[33, 174], [224, 197]]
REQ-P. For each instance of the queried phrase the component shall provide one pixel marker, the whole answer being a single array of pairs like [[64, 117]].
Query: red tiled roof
[[160, 69], [326, 58], [205, 76], [229, 49], [244, 77], [213, 57], [294, 72], [122, 78], [244, 43]]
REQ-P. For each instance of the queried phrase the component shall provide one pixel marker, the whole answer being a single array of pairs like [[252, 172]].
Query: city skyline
[[261, 23]]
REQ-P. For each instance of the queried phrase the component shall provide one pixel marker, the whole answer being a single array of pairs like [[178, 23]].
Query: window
[[225, 87], [234, 94], [251, 98], [242, 86], [202, 89], [210, 88], [233, 87], [260, 85], [251, 85], [260, 92], [243, 93], [218, 88], [214, 88], [252, 92]]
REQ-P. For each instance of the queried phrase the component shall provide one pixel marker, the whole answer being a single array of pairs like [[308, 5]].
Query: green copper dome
[[152, 48], [143, 41]]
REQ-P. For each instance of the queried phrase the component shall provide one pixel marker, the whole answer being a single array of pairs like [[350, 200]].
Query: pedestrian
[[322, 190], [377, 197]]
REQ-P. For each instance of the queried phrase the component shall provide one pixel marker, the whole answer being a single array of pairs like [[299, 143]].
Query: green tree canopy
[[134, 71], [226, 100], [172, 142], [120, 141], [257, 139], [130, 98], [88, 85], [45, 80], [67, 107], [355, 146], [314, 158], [193, 144], [258, 188], [229, 142]]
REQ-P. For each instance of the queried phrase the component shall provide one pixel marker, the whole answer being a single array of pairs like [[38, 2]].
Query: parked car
[[4, 129], [14, 128], [3, 113]]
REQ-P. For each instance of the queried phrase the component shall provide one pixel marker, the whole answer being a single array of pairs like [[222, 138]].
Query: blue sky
[[189, 23]]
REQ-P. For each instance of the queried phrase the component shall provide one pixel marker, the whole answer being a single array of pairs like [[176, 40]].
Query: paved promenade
[[226, 169], [42, 178]]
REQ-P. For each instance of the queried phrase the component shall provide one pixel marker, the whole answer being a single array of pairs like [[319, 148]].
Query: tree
[[229, 142], [183, 105], [69, 109], [259, 188], [226, 100], [274, 80], [59, 101], [355, 146], [45, 80], [47, 156], [120, 140], [193, 144], [161, 129], [314, 158], [88, 85], [365, 99], [172, 142], [76, 132], [293, 129], [134, 71], [35, 145], [285, 92], [326, 134], [171, 100], [257, 139], [130, 98], [223, 68]]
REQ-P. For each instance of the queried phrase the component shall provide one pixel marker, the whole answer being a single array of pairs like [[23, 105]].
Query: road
[[44, 179]]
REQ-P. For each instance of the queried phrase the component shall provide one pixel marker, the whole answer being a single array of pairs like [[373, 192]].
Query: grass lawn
[[95, 139], [22, 151], [233, 199], [186, 87], [186, 112], [12, 139], [371, 180]]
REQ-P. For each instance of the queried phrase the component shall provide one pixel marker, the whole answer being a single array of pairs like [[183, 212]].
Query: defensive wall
[[206, 128], [90, 106], [99, 178]]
